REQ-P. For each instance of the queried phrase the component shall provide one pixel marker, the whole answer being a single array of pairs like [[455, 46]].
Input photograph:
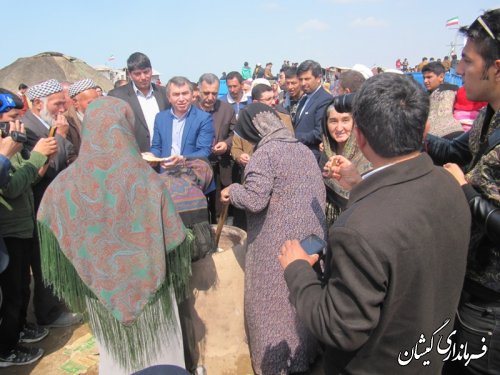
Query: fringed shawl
[[110, 235]]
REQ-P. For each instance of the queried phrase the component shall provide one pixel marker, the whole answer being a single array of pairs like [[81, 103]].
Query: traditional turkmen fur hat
[[44, 89]]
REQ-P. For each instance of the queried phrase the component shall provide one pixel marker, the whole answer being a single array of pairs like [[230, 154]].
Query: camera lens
[[343, 103]]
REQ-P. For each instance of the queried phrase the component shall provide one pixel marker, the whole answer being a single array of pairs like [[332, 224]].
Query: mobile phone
[[313, 244], [52, 131]]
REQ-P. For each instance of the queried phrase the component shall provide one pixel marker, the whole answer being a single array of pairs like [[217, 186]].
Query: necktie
[[300, 106]]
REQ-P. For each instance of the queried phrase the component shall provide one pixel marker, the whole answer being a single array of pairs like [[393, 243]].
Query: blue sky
[[191, 37]]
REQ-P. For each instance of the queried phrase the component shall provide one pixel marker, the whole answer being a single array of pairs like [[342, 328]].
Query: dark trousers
[[15, 284], [47, 306], [239, 215], [191, 351], [477, 325], [213, 198], [211, 203]]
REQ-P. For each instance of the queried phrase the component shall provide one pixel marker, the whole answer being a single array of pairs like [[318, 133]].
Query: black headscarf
[[259, 124]]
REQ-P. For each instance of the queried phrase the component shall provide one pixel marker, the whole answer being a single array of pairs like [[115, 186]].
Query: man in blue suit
[[312, 105], [183, 130]]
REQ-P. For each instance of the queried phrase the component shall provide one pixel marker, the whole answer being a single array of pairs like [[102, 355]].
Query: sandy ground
[[218, 312]]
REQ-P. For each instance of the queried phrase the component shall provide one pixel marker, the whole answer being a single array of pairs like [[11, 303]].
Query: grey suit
[[47, 306], [127, 93]]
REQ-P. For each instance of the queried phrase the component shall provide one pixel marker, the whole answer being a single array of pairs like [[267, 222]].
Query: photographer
[[8, 146], [17, 225]]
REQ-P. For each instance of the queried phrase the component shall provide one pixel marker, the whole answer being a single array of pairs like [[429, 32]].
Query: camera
[[343, 103], [16, 136]]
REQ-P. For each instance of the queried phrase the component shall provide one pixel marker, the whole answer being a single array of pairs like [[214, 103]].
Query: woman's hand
[[224, 196], [244, 159]]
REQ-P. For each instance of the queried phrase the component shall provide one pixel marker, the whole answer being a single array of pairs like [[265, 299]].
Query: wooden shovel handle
[[220, 224]]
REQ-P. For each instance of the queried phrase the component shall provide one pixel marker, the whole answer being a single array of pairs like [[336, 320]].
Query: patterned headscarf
[[111, 215], [350, 152], [259, 124]]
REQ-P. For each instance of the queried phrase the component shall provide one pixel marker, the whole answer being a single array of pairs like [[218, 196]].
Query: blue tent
[[454, 79]]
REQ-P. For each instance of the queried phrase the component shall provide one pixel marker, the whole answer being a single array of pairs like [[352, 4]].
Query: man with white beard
[[48, 106], [47, 99]]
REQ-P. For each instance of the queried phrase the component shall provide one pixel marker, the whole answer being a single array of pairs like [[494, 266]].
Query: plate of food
[[148, 156]]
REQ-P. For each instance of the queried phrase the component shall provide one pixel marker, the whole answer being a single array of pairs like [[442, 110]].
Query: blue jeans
[[475, 321]]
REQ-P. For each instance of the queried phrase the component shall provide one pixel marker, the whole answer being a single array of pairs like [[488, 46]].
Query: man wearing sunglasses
[[474, 160]]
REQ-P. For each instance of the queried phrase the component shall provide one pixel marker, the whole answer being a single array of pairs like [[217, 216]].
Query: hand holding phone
[[313, 244], [309, 249]]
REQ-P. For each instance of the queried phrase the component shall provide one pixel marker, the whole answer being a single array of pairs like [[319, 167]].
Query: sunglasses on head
[[486, 28]]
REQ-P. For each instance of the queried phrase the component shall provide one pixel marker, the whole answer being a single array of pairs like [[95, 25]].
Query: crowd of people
[[449, 62], [107, 200]]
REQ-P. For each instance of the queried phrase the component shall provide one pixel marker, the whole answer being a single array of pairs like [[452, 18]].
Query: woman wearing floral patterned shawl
[[112, 242]]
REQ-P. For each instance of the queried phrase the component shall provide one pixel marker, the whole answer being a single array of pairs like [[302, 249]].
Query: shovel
[[220, 224]]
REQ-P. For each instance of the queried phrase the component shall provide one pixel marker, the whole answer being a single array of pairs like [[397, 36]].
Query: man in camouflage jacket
[[477, 153]]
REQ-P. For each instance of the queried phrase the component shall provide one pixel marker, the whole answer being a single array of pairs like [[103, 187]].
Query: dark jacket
[[19, 220], [75, 129], [127, 93], [224, 119], [482, 167], [394, 271], [308, 125]]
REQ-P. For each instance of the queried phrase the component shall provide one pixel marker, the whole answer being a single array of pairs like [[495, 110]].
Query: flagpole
[[451, 22]]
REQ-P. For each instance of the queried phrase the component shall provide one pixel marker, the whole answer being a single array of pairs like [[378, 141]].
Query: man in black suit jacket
[[396, 257], [145, 98], [311, 107]]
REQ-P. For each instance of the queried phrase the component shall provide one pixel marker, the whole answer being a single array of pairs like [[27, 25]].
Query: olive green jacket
[[18, 219]]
